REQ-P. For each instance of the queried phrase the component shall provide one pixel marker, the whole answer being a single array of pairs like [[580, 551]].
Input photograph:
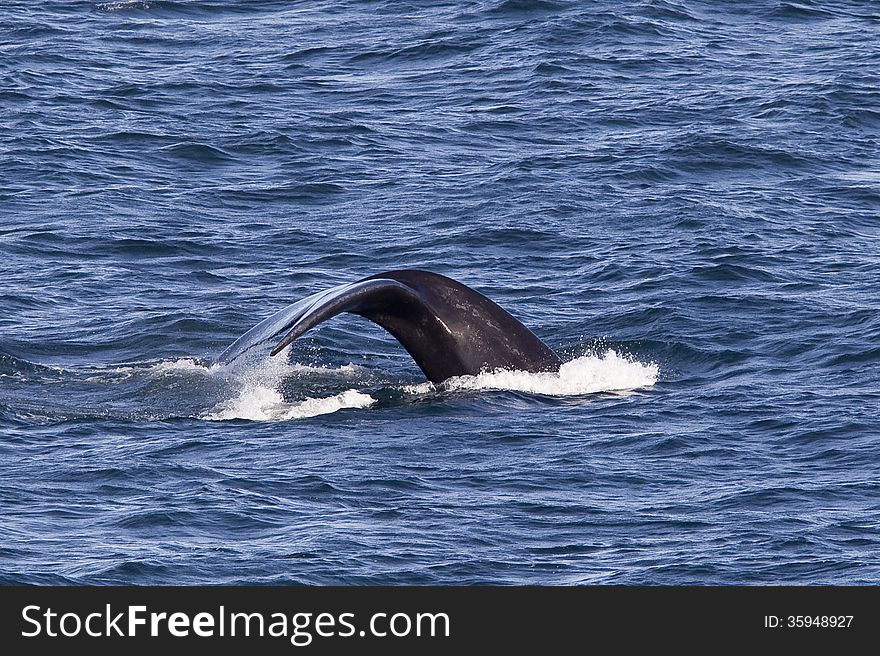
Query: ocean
[[681, 198]]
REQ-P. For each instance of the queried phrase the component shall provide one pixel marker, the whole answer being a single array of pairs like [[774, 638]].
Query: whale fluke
[[448, 328]]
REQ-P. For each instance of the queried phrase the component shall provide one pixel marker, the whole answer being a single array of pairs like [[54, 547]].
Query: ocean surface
[[681, 198]]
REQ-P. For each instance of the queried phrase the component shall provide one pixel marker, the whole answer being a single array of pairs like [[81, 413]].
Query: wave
[[156, 368]]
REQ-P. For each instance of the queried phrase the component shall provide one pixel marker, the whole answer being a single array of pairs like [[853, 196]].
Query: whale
[[448, 328]]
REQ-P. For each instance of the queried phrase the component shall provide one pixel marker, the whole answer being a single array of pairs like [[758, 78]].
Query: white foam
[[128, 4], [588, 374], [261, 403], [181, 364], [159, 368], [258, 397], [250, 389], [267, 368]]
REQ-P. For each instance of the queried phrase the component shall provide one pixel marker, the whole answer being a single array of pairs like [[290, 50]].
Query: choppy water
[[682, 198]]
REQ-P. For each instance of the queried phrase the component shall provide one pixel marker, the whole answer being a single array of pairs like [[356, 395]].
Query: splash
[[266, 404], [259, 398], [588, 374]]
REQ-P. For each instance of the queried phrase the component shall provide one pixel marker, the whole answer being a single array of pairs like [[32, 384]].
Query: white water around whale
[[588, 374], [261, 388], [260, 399]]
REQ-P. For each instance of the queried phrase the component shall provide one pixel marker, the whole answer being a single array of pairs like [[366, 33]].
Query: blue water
[[681, 198]]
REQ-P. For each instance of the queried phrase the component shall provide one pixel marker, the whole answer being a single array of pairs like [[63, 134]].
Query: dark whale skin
[[448, 328]]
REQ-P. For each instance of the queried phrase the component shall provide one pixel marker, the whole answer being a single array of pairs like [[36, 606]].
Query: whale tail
[[448, 328]]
